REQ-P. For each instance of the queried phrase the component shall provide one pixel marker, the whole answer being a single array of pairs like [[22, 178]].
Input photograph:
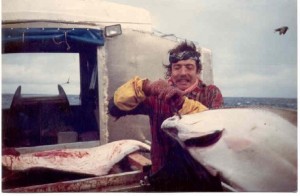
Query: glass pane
[[39, 74]]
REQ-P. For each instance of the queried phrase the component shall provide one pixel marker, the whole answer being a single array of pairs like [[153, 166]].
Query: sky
[[28, 70], [249, 59]]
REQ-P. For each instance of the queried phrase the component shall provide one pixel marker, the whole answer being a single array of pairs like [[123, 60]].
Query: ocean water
[[287, 103], [7, 99]]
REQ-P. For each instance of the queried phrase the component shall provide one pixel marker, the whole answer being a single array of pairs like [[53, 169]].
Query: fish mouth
[[205, 140]]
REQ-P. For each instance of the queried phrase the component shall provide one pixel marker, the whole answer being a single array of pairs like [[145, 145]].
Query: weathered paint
[[102, 183]]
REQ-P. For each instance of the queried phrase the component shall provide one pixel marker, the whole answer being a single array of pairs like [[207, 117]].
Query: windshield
[[39, 74]]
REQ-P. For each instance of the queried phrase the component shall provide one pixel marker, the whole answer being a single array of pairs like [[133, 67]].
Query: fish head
[[192, 125]]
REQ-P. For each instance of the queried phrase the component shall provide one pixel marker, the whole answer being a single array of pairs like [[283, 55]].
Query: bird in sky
[[67, 81], [282, 30]]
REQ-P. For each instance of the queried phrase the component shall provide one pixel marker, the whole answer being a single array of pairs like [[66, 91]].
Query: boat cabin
[[62, 62]]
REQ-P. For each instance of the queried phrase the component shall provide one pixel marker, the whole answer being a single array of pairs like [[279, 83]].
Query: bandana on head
[[175, 57]]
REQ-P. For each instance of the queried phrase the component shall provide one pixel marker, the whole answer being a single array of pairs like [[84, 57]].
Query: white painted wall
[[96, 12]]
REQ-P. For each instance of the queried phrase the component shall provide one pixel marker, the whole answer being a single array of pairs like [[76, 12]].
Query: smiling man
[[184, 73], [183, 93]]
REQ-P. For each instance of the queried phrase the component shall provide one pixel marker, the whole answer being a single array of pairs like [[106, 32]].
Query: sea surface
[[287, 103]]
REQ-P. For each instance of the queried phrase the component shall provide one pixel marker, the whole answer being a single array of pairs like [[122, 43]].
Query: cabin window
[[39, 74], [52, 74]]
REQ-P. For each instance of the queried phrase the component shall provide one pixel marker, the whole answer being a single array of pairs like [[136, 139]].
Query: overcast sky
[[249, 59], [28, 70]]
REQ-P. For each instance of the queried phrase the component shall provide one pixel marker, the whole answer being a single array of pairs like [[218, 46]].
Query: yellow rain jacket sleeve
[[130, 95], [191, 106]]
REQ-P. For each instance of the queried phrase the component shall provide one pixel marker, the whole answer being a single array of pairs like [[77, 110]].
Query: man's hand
[[154, 88], [172, 96], [164, 91]]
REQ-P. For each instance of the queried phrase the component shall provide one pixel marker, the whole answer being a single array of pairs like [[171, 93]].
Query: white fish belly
[[256, 152], [95, 161]]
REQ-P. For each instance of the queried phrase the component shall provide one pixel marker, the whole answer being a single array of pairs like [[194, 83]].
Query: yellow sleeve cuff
[[130, 94], [191, 106]]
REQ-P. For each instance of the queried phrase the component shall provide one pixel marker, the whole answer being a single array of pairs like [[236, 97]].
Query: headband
[[175, 57]]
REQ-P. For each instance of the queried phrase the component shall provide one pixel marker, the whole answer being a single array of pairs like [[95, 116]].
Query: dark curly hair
[[183, 46]]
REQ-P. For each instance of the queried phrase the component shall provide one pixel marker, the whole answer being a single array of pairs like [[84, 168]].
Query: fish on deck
[[250, 149], [95, 161]]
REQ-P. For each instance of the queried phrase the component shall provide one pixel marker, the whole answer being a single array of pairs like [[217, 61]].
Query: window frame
[[88, 63]]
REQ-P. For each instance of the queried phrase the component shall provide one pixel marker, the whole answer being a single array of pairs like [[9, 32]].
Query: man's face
[[184, 73]]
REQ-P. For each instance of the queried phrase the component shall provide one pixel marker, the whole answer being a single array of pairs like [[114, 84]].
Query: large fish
[[250, 149], [94, 161]]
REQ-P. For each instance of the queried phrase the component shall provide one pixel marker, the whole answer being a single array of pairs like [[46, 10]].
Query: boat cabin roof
[[93, 12]]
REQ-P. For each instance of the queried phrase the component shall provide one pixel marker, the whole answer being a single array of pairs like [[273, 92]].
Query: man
[[182, 93]]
